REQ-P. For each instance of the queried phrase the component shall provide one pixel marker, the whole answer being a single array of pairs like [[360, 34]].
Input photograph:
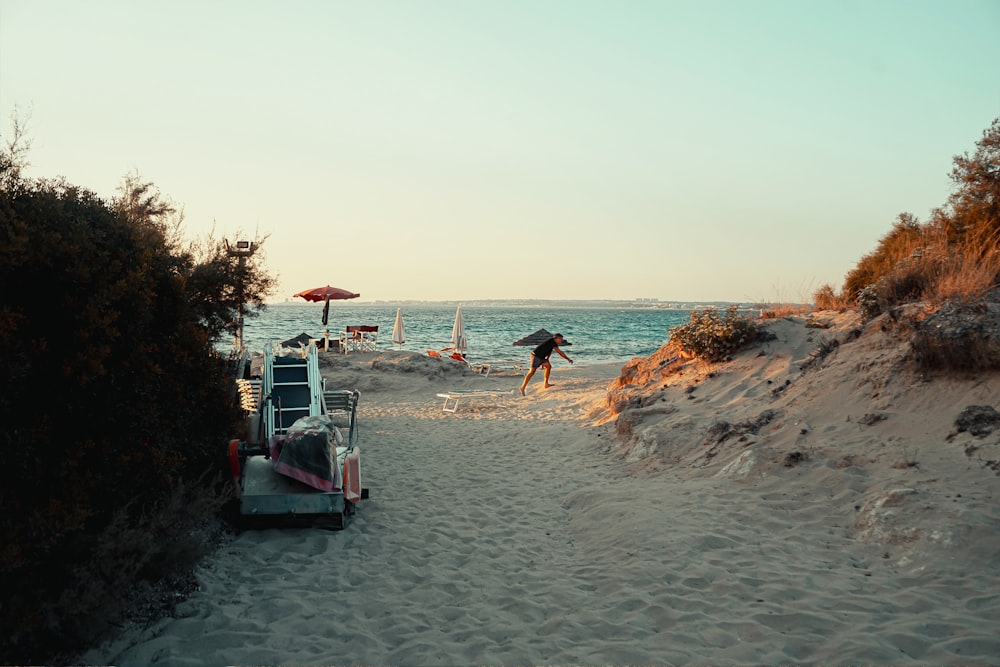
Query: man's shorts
[[537, 361]]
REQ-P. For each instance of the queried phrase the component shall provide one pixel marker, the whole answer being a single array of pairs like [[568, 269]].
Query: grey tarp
[[303, 338], [537, 338]]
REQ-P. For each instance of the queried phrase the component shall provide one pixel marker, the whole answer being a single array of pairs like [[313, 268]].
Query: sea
[[596, 335]]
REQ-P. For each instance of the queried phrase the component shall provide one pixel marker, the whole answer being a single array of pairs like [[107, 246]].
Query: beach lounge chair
[[291, 388], [341, 406], [482, 368], [455, 356], [492, 397], [515, 366]]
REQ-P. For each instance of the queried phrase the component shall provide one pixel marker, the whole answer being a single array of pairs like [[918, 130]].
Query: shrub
[[826, 299], [869, 305], [714, 335], [111, 393], [960, 335], [969, 273], [905, 237]]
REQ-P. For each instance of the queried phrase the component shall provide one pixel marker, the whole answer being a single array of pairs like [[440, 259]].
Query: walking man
[[540, 357]]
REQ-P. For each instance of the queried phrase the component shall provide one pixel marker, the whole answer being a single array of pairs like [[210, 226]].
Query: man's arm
[[563, 354]]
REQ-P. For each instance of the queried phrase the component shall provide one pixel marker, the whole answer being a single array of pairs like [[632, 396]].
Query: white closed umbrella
[[398, 337], [458, 340]]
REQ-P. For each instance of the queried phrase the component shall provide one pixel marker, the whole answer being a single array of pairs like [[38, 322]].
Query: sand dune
[[667, 512]]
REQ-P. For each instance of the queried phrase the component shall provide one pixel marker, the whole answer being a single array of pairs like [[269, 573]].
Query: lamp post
[[242, 250]]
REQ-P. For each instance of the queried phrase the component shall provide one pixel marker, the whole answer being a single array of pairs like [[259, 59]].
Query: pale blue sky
[[726, 150]]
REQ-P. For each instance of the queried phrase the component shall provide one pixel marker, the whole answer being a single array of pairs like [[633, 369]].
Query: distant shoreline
[[646, 304]]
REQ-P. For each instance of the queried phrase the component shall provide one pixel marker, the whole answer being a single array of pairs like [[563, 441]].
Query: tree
[[973, 216], [214, 284], [955, 255], [13, 156], [112, 394]]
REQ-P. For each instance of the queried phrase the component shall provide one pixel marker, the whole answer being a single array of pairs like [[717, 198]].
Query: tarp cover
[[538, 338], [308, 453], [303, 338]]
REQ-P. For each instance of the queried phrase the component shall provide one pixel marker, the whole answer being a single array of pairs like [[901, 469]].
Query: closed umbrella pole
[[398, 335], [458, 339]]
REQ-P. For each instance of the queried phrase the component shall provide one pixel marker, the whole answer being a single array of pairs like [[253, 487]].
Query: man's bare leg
[[527, 378], [548, 369]]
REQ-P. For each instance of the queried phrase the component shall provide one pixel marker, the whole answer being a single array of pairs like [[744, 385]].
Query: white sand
[[555, 531]]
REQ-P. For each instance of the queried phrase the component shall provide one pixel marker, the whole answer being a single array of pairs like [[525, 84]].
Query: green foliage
[[714, 335], [111, 393]]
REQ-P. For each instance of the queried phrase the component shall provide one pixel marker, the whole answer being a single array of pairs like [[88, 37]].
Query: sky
[[719, 150]]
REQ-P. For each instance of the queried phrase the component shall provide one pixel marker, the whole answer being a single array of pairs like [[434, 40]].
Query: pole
[[242, 250]]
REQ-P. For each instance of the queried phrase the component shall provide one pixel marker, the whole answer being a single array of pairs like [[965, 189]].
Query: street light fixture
[[242, 250]]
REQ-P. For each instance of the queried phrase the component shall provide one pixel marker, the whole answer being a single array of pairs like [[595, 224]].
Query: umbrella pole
[[326, 318]]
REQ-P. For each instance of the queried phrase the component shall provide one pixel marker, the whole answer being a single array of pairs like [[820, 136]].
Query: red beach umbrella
[[325, 294]]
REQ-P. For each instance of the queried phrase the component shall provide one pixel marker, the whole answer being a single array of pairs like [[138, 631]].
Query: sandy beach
[[810, 501]]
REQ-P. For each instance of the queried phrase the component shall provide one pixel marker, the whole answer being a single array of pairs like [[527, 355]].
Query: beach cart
[[296, 463]]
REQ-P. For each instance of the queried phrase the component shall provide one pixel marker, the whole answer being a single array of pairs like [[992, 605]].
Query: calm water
[[598, 335]]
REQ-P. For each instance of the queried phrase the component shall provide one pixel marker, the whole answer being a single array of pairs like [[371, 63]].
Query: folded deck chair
[[360, 338], [249, 391], [341, 405], [291, 389]]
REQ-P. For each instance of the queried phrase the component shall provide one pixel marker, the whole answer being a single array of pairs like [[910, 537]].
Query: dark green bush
[[111, 394], [714, 335]]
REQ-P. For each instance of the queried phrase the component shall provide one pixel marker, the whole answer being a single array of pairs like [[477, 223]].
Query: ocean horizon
[[597, 335]]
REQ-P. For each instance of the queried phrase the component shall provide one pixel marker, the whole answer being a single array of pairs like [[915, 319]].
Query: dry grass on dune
[[872, 407]]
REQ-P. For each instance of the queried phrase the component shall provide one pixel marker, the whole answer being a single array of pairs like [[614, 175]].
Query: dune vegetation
[[949, 265], [953, 257]]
